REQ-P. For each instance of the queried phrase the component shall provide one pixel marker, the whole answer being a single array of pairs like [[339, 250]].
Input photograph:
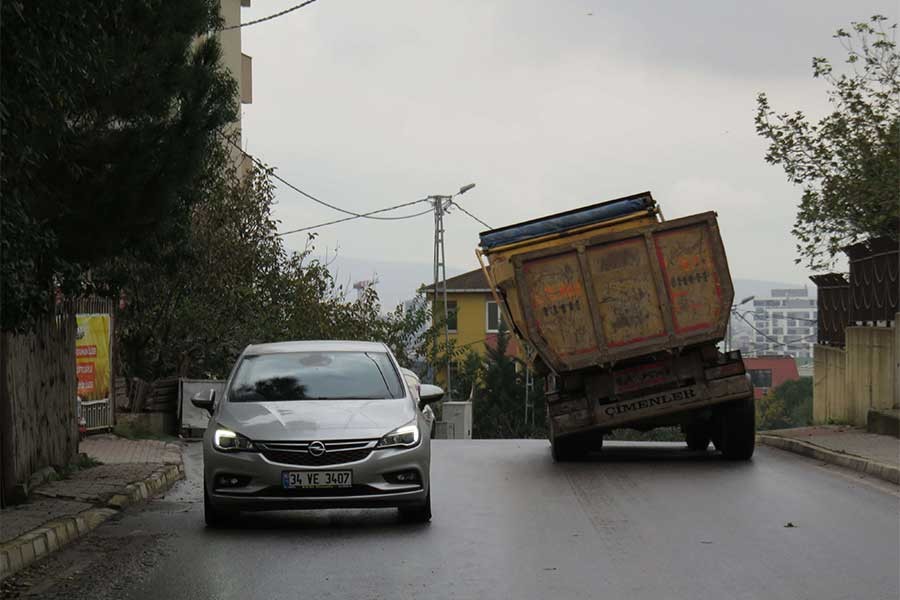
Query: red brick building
[[768, 372]]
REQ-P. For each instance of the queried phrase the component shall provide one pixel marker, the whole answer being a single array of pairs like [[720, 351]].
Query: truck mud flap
[[576, 415]]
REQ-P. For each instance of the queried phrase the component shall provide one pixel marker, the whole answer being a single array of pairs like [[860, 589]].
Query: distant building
[[782, 324], [767, 372], [239, 65]]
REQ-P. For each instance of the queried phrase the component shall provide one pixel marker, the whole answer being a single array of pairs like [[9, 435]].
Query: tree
[[498, 410], [788, 405], [849, 161], [216, 288], [108, 111], [229, 282]]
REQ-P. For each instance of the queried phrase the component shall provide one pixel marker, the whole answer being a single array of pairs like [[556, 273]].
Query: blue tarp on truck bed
[[567, 220]]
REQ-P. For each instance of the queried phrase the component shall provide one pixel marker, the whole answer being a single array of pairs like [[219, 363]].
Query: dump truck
[[622, 312]]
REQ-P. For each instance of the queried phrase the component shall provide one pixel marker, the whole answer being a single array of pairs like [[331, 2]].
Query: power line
[[768, 337], [269, 18], [354, 215], [470, 214], [380, 210]]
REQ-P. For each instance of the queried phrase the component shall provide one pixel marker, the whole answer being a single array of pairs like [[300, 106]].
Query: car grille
[[297, 453]]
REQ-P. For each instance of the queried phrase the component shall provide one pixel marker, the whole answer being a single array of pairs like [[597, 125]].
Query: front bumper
[[261, 481]]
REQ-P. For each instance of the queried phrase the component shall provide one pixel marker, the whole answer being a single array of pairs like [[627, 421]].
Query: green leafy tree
[[229, 282], [788, 405], [848, 163], [108, 111], [498, 410]]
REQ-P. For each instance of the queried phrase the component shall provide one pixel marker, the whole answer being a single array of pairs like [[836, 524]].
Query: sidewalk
[[63, 510], [854, 448]]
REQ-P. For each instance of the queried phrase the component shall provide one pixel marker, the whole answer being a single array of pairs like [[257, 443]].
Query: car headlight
[[229, 441], [402, 437]]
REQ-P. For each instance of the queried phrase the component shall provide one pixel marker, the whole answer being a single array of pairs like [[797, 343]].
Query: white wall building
[[783, 324], [238, 64]]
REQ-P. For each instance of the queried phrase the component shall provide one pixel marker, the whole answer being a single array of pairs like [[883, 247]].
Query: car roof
[[315, 346]]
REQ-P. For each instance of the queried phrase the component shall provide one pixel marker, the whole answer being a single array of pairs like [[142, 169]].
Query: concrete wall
[[829, 385], [897, 361], [847, 383]]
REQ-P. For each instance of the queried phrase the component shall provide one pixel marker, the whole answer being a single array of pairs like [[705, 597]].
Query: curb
[[882, 471], [30, 547]]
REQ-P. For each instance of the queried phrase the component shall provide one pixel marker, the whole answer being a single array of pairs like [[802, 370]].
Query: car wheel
[[213, 515], [417, 514], [697, 436], [738, 430]]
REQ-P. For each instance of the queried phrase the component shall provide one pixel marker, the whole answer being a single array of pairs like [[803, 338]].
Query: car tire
[[738, 430], [215, 517], [697, 436], [417, 514]]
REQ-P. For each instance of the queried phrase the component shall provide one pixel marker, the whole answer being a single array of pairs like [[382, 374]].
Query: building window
[[451, 314], [493, 318], [761, 378]]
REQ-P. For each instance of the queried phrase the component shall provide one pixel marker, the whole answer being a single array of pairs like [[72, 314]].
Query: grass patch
[[79, 464]]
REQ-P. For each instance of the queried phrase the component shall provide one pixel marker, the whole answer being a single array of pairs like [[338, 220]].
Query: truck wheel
[[566, 449], [697, 436], [738, 430]]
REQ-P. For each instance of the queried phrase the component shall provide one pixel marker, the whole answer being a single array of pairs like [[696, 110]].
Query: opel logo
[[316, 448]]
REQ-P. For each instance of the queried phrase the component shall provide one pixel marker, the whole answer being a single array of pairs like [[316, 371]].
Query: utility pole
[[441, 204], [440, 275]]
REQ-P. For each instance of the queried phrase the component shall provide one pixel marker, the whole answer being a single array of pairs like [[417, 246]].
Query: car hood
[[308, 420]]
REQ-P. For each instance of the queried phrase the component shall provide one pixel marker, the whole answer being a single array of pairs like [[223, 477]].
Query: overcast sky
[[546, 106]]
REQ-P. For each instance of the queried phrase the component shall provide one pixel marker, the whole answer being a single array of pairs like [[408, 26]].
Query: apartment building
[[783, 324]]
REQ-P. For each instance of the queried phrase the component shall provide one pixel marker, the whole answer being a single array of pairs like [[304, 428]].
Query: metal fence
[[97, 414], [833, 304], [874, 282], [868, 296]]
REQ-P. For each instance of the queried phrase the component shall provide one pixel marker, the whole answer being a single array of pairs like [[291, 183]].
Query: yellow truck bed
[[594, 290]]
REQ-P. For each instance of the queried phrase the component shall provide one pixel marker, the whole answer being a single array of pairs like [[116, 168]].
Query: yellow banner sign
[[92, 360]]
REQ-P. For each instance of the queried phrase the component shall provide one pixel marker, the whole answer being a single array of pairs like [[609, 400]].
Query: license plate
[[316, 479], [643, 376]]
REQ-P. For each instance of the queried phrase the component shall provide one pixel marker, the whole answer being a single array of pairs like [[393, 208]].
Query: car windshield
[[292, 376]]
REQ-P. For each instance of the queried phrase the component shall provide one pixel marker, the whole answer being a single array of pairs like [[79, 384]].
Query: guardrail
[[97, 414]]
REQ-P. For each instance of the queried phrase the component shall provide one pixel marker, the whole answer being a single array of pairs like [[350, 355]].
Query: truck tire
[[697, 436], [566, 449], [738, 430]]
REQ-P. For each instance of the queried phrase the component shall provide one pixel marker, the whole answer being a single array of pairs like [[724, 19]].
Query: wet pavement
[[639, 521]]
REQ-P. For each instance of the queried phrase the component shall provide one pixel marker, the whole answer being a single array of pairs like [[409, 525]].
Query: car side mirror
[[429, 393], [205, 400]]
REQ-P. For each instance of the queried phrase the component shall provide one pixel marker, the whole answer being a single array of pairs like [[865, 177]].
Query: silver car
[[317, 425]]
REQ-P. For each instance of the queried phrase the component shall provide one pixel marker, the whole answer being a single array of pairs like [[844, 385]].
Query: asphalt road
[[640, 521]]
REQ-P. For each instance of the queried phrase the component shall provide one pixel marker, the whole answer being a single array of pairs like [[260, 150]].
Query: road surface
[[640, 521]]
